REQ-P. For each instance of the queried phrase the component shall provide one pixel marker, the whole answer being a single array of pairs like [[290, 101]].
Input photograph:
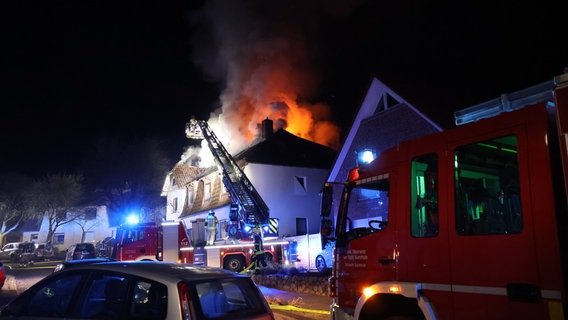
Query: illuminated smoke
[[265, 53]]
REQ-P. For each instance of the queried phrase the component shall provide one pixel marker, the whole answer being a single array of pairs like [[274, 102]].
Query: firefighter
[[258, 257], [211, 225]]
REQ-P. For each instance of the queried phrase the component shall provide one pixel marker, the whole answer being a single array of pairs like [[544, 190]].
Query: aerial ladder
[[256, 212]]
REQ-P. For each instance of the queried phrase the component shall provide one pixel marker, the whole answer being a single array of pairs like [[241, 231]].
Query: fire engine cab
[[469, 223], [150, 241]]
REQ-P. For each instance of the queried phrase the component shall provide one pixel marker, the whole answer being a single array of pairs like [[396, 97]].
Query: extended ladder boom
[[237, 183]]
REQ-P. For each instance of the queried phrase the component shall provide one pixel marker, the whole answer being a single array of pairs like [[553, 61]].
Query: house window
[[207, 192], [59, 238], [34, 237], [190, 196], [301, 226], [300, 185], [175, 205]]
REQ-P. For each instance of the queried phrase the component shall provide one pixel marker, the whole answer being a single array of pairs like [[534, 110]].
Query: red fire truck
[[469, 223], [150, 241], [170, 242]]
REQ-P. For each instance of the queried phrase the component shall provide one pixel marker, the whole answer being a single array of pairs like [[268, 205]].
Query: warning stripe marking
[[498, 291]]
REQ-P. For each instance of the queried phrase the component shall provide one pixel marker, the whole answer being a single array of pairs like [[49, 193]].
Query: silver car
[[11, 251], [141, 290]]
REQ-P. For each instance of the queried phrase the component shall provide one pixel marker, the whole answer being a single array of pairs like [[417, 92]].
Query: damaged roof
[[183, 173], [285, 149]]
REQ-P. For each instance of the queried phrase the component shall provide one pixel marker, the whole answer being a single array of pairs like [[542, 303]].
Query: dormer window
[[207, 191]]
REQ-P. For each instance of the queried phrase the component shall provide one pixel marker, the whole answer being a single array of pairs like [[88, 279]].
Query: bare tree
[[15, 206], [56, 196], [86, 225]]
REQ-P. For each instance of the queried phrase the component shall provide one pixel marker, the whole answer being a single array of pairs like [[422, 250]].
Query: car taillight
[[332, 287], [184, 301]]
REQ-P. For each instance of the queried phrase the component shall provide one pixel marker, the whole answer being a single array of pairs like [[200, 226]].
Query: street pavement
[[294, 305]]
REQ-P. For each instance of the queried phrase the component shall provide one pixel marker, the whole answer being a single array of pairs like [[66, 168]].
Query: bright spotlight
[[366, 156], [132, 219]]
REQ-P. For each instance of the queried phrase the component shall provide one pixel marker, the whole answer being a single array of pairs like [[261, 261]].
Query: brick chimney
[[267, 130]]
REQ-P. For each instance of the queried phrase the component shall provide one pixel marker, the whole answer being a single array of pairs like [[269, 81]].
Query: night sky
[[73, 71]]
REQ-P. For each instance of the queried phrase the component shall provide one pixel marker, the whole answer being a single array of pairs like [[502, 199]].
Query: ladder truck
[[169, 240], [468, 223], [255, 218]]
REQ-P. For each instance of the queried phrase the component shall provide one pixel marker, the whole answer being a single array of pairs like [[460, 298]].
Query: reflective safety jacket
[[211, 222]]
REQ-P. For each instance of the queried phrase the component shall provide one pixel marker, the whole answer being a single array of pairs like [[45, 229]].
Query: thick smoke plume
[[265, 54]]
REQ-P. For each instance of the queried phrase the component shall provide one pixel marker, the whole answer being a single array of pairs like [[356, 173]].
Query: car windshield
[[235, 298]]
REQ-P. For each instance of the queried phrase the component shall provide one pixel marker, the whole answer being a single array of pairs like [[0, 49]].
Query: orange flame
[[272, 91]]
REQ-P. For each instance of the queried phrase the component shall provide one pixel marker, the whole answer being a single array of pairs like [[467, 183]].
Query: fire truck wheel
[[234, 263], [320, 263], [391, 307]]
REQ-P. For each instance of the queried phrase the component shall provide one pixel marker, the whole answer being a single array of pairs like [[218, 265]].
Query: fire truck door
[[494, 265], [132, 245], [423, 231]]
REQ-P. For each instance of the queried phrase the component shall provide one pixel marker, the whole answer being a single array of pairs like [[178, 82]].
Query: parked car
[[324, 259], [45, 251], [141, 290], [81, 251], [11, 251], [2, 276], [27, 255]]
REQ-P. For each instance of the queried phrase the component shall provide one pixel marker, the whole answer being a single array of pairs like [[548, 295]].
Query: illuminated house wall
[[287, 171]]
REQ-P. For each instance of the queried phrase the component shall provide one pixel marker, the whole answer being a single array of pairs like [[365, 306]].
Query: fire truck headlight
[[247, 228], [368, 292], [265, 228]]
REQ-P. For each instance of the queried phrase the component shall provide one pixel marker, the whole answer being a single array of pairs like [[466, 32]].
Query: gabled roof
[[184, 173], [384, 119], [285, 149]]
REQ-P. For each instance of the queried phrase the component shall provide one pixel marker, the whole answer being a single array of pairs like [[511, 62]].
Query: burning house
[[288, 172]]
